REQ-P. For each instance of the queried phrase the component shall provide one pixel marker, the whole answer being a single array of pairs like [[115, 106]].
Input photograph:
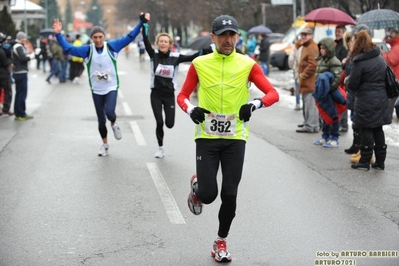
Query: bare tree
[[187, 18]]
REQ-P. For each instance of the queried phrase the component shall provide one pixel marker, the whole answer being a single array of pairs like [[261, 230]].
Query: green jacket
[[57, 51], [329, 62]]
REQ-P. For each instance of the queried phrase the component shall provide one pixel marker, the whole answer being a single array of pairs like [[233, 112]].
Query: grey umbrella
[[260, 29], [200, 42]]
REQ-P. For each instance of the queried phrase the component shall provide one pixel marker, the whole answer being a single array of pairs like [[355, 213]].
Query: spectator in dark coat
[[264, 51], [5, 78], [371, 100], [43, 52], [340, 50]]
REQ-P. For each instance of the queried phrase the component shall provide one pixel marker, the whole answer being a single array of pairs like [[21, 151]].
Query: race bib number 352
[[221, 125]]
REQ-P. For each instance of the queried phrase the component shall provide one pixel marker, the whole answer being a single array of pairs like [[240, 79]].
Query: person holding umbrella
[[164, 65], [264, 51]]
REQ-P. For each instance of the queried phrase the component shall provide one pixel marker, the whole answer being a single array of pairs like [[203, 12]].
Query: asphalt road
[[298, 204]]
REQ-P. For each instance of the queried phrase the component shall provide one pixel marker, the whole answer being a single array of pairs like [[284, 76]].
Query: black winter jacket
[[264, 50], [4, 65], [340, 51], [367, 79]]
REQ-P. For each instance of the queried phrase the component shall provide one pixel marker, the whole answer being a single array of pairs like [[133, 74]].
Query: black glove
[[142, 17], [198, 114], [246, 111]]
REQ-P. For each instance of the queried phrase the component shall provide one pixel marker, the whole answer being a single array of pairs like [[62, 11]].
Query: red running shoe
[[194, 204], [219, 251]]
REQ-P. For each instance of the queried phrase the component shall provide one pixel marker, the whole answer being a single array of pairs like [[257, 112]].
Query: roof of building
[[21, 5]]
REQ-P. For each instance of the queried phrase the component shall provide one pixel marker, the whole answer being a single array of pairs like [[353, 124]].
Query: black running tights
[[167, 101], [230, 155]]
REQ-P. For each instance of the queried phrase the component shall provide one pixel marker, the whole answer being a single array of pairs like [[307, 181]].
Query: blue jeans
[[65, 70], [330, 131], [21, 92], [44, 62], [297, 95], [56, 68], [264, 68], [105, 108]]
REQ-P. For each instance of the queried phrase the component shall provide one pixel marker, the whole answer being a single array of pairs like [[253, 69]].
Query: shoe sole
[[361, 168], [350, 152], [224, 259]]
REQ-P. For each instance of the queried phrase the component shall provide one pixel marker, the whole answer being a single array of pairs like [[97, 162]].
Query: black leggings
[[167, 100], [230, 155]]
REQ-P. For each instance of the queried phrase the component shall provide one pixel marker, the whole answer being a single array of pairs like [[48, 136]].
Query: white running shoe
[[331, 144], [76, 80], [159, 153], [117, 131], [103, 150]]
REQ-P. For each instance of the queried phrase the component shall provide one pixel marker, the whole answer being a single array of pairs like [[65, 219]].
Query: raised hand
[[144, 17], [57, 26]]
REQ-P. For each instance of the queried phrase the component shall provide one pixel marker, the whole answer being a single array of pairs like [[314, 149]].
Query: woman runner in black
[[164, 68]]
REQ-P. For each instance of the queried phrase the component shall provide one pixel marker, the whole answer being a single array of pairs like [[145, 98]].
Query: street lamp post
[[263, 13], [45, 4], [25, 21]]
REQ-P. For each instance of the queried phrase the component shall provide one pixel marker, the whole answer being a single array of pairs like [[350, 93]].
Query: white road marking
[[120, 94], [137, 133], [173, 212], [127, 109]]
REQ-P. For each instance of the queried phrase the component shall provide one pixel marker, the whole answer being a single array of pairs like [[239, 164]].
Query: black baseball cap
[[224, 23]]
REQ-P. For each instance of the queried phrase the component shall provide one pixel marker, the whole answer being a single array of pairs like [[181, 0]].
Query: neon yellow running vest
[[223, 89]]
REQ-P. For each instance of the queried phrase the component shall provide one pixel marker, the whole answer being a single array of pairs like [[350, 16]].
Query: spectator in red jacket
[[392, 58]]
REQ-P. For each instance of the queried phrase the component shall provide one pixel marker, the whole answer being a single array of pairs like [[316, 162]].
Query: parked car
[[275, 37], [279, 51]]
